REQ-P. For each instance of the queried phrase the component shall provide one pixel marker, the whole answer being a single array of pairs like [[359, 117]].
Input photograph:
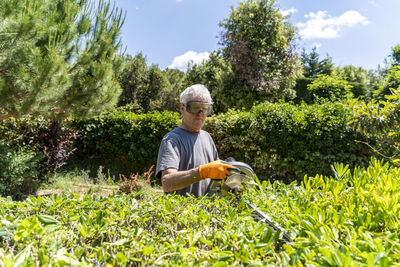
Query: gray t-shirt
[[184, 150]]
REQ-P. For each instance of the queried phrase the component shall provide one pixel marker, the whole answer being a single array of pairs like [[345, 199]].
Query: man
[[187, 157]]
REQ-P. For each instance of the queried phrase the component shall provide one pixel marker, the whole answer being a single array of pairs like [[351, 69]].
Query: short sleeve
[[168, 155]]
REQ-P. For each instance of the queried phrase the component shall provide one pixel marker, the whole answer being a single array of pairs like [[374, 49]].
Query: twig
[[376, 151], [3, 117], [165, 255]]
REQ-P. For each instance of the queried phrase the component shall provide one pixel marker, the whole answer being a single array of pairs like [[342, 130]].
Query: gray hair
[[196, 91]]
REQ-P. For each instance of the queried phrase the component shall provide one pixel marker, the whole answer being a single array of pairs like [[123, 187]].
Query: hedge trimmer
[[238, 178]]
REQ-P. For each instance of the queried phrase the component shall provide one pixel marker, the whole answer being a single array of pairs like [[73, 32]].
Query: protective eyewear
[[196, 107]]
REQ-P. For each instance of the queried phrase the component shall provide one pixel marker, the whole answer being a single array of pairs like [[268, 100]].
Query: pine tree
[[58, 57], [313, 66]]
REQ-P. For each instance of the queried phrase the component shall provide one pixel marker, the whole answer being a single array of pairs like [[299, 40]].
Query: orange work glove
[[215, 170]]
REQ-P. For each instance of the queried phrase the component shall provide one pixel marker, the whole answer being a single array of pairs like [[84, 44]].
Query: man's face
[[194, 114]]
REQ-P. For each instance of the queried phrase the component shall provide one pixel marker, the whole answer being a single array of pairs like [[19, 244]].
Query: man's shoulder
[[203, 132], [175, 135], [179, 134], [205, 135]]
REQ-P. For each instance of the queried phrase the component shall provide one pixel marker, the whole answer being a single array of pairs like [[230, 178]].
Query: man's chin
[[197, 127]]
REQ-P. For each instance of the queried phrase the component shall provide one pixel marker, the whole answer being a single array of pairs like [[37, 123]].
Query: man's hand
[[215, 170]]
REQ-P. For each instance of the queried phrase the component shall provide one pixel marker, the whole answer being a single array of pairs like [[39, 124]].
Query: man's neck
[[183, 126]]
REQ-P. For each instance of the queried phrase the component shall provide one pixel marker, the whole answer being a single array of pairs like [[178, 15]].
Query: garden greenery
[[285, 141], [18, 170], [124, 139], [278, 140], [349, 219]]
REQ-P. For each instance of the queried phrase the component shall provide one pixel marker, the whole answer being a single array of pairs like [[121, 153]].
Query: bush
[[332, 88], [56, 143], [123, 139], [302, 93], [18, 170], [351, 219], [280, 140], [52, 139], [285, 141]]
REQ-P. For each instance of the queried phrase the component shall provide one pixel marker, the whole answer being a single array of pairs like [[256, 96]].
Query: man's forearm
[[177, 180]]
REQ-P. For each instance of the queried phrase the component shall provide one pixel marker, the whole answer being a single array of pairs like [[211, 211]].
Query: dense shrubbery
[[351, 219], [279, 140], [287, 141], [130, 141], [51, 142], [18, 170], [53, 139]]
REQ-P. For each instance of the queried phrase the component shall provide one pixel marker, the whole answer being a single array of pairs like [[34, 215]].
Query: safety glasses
[[196, 107]]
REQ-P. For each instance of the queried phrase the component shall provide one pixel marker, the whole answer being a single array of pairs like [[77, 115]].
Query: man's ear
[[181, 108]]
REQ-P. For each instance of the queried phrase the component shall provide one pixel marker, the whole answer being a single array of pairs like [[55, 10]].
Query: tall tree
[[133, 79], [395, 56], [390, 83], [144, 88], [358, 78], [152, 97], [313, 66], [58, 57], [259, 43], [176, 80]]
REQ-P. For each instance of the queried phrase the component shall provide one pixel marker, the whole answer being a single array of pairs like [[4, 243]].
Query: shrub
[[124, 139], [18, 170], [285, 141], [19, 132], [332, 88], [351, 219], [56, 143], [53, 139], [302, 93], [280, 140]]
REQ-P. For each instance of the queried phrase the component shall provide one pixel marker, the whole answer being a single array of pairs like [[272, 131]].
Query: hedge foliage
[[286, 141], [18, 172], [351, 219], [128, 140], [280, 140], [53, 140]]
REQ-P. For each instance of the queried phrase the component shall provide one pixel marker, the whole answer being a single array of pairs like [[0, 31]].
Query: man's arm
[[173, 180]]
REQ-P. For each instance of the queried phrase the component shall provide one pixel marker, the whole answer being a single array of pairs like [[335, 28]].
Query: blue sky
[[171, 33]]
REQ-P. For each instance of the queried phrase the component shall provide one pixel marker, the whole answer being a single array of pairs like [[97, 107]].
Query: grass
[[102, 183]]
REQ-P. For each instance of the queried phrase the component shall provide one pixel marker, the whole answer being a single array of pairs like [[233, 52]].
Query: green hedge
[[124, 140], [18, 171], [286, 141], [352, 219], [280, 140], [302, 93]]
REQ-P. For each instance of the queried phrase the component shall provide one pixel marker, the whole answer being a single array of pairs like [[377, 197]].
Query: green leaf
[[47, 220]]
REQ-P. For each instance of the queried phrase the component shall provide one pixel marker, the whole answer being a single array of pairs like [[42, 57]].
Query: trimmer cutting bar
[[260, 216]]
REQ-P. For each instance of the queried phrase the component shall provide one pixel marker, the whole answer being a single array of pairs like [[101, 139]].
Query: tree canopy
[[259, 43], [59, 57], [313, 66], [332, 88], [147, 88], [396, 55]]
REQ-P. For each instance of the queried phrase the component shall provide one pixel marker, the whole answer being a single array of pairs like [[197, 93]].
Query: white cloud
[[188, 59], [288, 12], [179, 1], [322, 25]]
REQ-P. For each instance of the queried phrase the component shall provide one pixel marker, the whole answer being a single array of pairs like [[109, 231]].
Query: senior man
[[187, 157]]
